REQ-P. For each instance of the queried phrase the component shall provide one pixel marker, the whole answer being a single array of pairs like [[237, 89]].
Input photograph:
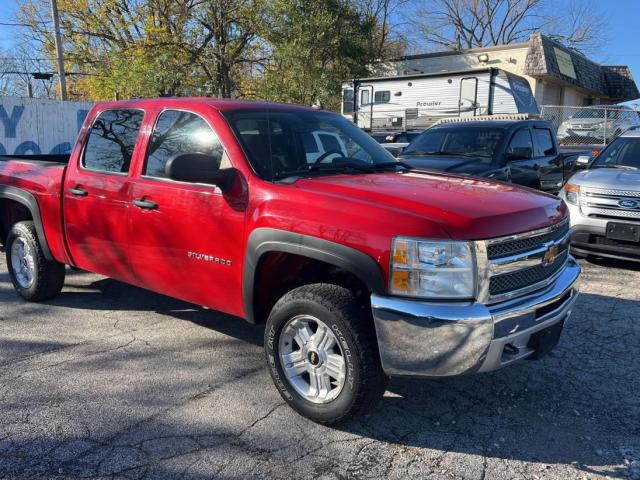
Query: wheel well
[[278, 273], [11, 212]]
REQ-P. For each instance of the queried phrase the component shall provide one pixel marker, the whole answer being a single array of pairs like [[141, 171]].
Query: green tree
[[314, 45]]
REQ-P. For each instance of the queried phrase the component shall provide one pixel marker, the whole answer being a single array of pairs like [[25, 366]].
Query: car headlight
[[572, 193], [432, 269]]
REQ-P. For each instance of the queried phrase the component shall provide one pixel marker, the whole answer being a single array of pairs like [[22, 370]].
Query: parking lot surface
[[111, 381]]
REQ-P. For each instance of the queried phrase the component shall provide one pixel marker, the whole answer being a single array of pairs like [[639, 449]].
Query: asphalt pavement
[[111, 381]]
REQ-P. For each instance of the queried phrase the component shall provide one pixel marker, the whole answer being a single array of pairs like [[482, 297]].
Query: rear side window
[[112, 140], [178, 132], [382, 96], [543, 142]]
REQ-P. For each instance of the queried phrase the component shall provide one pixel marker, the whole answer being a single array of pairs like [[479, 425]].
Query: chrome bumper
[[444, 339]]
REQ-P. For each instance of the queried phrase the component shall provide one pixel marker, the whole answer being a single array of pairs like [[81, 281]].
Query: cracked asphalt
[[111, 381]]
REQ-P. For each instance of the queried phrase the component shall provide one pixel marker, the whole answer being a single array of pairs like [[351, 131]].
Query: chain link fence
[[596, 125]]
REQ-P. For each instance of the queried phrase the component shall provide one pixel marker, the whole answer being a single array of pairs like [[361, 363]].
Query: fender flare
[[28, 200], [264, 240]]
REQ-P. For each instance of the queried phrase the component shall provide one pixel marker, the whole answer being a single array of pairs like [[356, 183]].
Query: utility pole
[[59, 52]]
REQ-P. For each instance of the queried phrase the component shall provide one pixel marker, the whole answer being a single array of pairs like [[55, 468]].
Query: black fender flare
[[28, 200], [264, 240]]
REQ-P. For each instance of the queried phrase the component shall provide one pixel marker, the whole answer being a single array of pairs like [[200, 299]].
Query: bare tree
[[17, 67], [481, 23]]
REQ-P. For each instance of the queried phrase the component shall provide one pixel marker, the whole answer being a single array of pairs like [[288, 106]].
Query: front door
[[468, 96], [365, 107], [185, 239], [96, 194], [548, 159]]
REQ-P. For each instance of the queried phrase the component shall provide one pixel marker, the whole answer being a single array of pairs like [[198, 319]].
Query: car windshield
[[623, 152], [596, 113], [281, 144], [479, 142]]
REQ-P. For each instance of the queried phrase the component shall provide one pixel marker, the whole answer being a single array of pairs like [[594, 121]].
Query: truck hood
[[613, 178], [464, 207], [452, 164]]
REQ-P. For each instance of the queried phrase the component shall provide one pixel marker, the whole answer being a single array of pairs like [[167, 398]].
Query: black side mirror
[[200, 168], [520, 153]]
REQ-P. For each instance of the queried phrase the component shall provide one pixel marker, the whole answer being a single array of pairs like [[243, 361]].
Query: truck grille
[[523, 263], [606, 203], [517, 246], [522, 278]]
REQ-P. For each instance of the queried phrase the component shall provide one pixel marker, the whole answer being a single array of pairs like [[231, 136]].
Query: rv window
[[365, 97], [347, 101], [382, 97]]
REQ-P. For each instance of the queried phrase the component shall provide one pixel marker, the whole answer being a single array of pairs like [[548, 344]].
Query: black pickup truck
[[525, 152]]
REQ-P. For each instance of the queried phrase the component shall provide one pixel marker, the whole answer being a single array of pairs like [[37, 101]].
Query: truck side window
[[382, 97], [112, 140], [521, 144], [543, 142], [178, 132]]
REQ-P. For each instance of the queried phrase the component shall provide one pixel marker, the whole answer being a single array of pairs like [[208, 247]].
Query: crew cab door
[[519, 159], [185, 239], [548, 160], [96, 194]]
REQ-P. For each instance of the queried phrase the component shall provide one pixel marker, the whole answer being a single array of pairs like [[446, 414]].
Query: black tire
[[352, 324], [48, 276]]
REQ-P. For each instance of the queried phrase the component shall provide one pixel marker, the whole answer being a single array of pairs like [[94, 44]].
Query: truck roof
[[221, 104], [493, 123]]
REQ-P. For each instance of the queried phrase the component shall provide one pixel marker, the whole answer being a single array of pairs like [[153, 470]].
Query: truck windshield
[[623, 152], [480, 142], [281, 144]]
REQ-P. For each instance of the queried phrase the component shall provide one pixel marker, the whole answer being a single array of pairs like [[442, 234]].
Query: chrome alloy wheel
[[23, 263], [312, 359]]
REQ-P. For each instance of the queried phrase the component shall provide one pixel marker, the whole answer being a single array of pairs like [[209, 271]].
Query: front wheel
[[322, 353], [33, 276]]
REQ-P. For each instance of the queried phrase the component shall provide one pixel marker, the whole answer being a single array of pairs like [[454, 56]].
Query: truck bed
[[62, 159]]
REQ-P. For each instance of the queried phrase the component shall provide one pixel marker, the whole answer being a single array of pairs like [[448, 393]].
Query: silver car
[[604, 201], [597, 125]]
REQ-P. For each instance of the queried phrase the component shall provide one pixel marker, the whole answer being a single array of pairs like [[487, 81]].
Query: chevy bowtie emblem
[[550, 255]]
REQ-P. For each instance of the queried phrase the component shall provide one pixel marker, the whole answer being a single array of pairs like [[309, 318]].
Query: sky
[[622, 47]]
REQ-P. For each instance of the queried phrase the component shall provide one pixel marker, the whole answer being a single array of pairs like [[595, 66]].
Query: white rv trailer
[[416, 101]]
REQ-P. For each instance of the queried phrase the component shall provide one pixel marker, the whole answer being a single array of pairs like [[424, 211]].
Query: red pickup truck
[[360, 267]]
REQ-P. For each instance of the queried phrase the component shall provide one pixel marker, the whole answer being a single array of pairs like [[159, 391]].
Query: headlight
[[432, 269], [572, 193]]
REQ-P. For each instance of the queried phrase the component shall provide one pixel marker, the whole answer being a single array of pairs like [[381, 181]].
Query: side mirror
[[520, 153], [583, 161], [199, 168]]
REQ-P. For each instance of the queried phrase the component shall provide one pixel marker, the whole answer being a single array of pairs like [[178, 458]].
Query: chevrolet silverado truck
[[525, 152], [604, 201], [359, 267]]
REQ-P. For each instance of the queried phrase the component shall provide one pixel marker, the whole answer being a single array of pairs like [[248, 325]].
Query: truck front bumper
[[444, 339]]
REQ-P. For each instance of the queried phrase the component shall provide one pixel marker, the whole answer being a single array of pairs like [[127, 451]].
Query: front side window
[[543, 142], [111, 141], [177, 132], [282, 143], [622, 152], [521, 145], [382, 96]]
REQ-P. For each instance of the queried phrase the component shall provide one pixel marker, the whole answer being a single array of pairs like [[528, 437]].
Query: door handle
[[78, 192], [145, 204]]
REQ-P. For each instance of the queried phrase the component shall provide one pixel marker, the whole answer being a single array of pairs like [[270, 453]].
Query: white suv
[[604, 201]]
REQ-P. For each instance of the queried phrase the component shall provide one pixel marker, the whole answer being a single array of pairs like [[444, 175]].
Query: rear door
[[547, 159], [96, 194], [186, 238]]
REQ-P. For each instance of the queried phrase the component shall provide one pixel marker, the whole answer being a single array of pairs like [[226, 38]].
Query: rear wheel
[[322, 353], [33, 276]]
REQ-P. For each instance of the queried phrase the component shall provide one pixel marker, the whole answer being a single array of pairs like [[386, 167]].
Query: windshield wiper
[[624, 167], [340, 167], [394, 165], [453, 154]]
